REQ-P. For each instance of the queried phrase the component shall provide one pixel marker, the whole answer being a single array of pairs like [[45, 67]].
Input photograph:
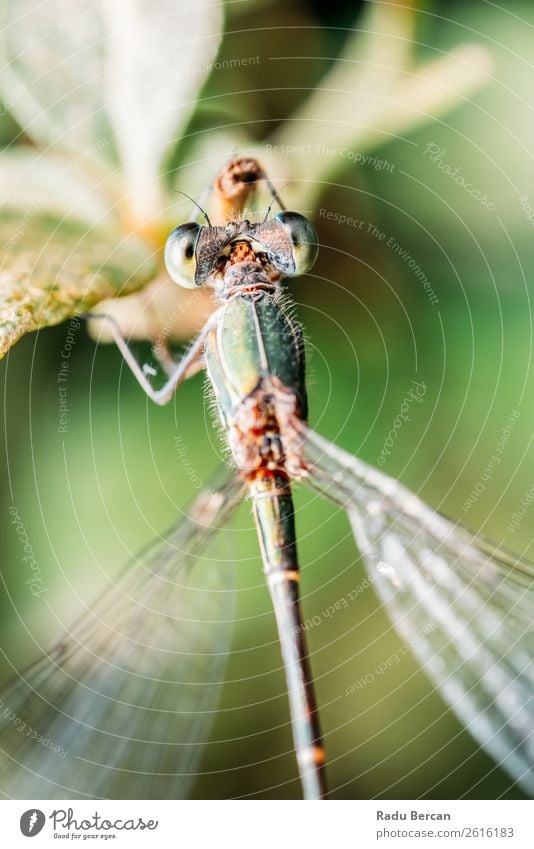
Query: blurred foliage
[[91, 495], [110, 92]]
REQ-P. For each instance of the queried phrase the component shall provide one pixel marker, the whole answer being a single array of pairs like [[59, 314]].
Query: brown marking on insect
[[319, 755], [278, 576], [261, 435], [241, 252], [314, 754], [292, 575]]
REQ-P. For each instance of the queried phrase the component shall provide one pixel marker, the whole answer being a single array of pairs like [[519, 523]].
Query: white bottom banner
[[262, 825]]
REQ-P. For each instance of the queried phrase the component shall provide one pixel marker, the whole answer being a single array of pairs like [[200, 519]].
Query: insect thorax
[[255, 361]]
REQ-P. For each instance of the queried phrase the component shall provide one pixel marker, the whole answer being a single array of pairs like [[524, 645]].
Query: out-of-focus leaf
[[372, 94], [53, 76], [39, 181], [8, 127], [108, 82], [52, 270]]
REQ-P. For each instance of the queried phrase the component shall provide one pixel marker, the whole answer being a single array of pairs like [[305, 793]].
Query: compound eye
[[304, 242], [181, 256]]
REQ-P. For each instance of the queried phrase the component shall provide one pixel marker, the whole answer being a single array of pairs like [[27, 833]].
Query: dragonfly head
[[287, 244]]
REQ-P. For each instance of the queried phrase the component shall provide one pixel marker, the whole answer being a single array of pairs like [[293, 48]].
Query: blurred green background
[[93, 495]]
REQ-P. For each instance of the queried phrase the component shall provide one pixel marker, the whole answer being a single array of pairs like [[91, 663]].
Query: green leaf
[[52, 270]]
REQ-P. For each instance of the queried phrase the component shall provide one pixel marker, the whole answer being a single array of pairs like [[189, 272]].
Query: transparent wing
[[121, 704], [464, 607]]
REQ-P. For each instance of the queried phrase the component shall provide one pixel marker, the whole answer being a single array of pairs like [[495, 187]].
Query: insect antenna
[[203, 211], [276, 198], [273, 192]]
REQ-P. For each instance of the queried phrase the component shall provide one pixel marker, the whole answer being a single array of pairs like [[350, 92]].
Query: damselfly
[[125, 697]]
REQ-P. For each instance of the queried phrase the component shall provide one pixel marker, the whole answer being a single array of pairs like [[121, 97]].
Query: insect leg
[[188, 365]]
